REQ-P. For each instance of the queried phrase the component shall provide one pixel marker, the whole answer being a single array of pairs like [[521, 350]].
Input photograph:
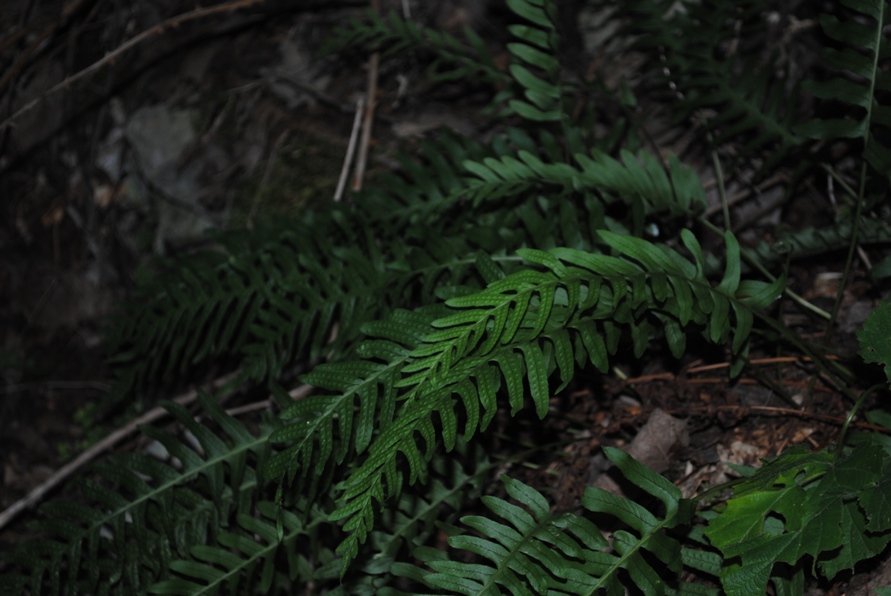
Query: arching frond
[[636, 179], [519, 330]]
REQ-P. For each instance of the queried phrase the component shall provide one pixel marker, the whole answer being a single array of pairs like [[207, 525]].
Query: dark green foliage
[[143, 512], [480, 280], [832, 507], [811, 242], [701, 56], [393, 35], [875, 343], [544, 550], [864, 48], [517, 332]]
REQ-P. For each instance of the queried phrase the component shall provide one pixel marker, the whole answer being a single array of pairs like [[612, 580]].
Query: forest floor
[[233, 115]]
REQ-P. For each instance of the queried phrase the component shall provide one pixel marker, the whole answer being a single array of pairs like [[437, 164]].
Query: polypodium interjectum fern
[[479, 278], [523, 328], [536, 47], [642, 178], [393, 35], [248, 547]]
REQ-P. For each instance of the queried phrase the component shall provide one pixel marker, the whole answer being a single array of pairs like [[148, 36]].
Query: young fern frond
[[146, 511], [535, 548], [868, 48], [521, 329]]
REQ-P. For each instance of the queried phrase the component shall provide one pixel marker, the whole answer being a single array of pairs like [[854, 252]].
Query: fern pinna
[[481, 279]]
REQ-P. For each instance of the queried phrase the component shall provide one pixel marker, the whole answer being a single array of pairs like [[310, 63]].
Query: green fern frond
[[676, 193], [369, 385], [519, 330], [538, 551], [536, 48], [265, 303], [867, 49], [811, 241], [146, 511], [245, 558]]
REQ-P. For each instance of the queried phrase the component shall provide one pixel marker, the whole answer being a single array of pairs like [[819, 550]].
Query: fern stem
[[722, 190], [754, 262], [824, 363], [841, 182], [850, 418], [849, 261]]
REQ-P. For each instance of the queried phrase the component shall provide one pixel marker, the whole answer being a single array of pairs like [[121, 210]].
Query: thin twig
[[267, 173], [351, 151], [780, 412], [373, 65], [109, 58], [38, 42], [296, 394]]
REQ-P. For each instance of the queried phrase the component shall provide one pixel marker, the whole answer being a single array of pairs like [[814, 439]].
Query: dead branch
[[159, 29]]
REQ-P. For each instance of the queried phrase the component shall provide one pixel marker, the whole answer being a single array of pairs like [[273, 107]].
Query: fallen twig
[[351, 151], [373, 65], [110, 57]]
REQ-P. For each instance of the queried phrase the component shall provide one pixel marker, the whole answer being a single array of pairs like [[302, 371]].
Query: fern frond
[[534, 550], [146, 511], [676, 193], [867, 49], [266, 303], [245, 558], [810, 242], [536, 48], [521, 329], [369, 385]]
